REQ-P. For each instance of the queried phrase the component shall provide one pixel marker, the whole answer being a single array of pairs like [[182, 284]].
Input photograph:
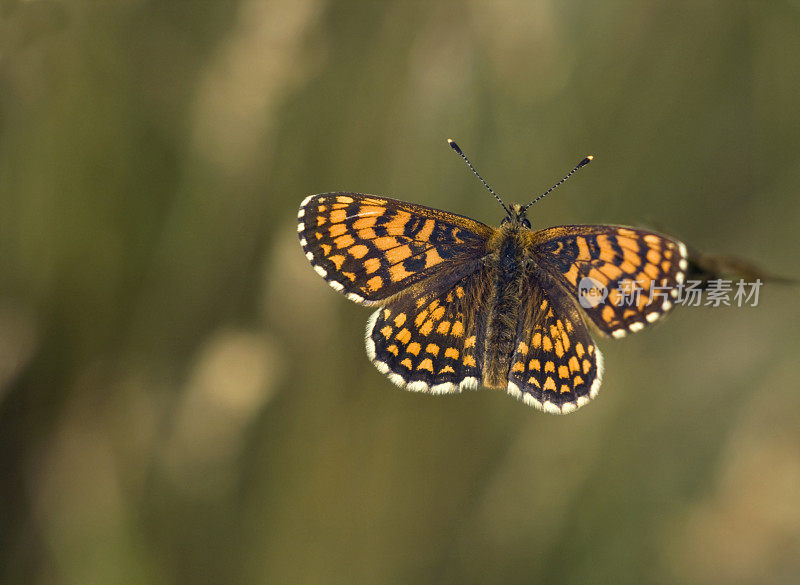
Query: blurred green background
[[182, 400]]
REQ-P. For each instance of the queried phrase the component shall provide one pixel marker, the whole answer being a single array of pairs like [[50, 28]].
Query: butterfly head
[[517, 216]]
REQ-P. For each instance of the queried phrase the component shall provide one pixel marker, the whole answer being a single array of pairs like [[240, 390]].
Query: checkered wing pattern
[[556, 367], [640, 271], [371, 248], [430, 343]]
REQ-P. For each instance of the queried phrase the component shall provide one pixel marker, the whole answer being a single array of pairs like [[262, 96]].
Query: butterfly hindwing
[[371, 248], [556, 367], [637, 271], [430, 343]]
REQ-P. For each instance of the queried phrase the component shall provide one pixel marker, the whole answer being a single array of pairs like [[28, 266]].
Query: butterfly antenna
[[455, 147], [583, 163]]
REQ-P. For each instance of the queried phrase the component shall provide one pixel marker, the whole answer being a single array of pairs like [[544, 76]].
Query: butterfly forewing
[[636, 272], [371, 248]]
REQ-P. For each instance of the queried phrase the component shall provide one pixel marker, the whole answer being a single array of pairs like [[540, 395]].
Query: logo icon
[[591, 292]]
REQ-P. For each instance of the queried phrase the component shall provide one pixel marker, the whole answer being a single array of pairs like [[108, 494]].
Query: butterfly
[[461, 304]]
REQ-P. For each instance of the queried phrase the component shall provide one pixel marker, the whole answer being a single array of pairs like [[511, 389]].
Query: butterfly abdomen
[[506, 269]]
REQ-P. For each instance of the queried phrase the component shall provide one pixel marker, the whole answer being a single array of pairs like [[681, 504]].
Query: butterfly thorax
[[506, 268]]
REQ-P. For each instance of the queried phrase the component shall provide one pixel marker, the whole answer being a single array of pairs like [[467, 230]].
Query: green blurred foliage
[[182, 400]]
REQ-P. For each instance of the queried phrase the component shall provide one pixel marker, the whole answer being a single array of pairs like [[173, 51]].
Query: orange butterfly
[[463, 304]]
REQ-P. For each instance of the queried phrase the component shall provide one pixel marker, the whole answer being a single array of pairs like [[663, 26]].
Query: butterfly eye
[[526, 223]]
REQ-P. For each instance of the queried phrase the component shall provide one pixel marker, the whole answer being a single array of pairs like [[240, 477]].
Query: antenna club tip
[[585, 161], [453, 145]]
